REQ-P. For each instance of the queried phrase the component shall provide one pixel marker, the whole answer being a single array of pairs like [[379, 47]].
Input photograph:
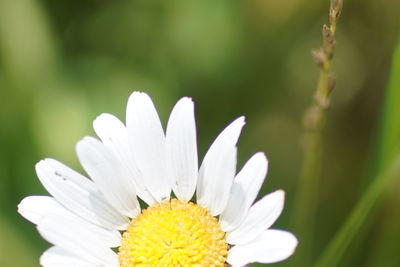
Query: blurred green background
[[62, 63]]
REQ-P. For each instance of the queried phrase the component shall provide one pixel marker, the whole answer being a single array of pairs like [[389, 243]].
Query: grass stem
[[313, 123]]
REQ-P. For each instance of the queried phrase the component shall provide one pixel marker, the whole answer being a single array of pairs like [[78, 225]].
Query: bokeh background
[[64, 62]]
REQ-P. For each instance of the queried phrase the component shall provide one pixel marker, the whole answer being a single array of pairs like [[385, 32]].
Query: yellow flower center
[[173, 233]]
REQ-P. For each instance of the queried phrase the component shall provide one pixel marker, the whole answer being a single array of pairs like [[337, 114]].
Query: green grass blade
[[390, 131], [336, 249], [388, 167]]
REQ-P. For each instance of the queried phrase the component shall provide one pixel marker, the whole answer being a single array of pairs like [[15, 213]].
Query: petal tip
[[138, 95], [185, 102], [241, 120]]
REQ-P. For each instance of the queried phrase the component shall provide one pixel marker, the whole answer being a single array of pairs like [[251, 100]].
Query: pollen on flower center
[[173, 233]]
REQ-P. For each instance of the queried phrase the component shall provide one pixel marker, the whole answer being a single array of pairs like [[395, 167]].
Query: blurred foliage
[[62, 63]]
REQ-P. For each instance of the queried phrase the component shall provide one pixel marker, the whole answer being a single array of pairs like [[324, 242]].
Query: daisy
[[187, 216]]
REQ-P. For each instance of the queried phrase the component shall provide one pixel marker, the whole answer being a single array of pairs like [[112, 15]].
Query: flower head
[[193, 216]]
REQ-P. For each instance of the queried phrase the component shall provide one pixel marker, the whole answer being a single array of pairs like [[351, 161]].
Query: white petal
[[108, 174], [244, 191], [80, 228], [218, 169], [260, 217], [45, 211], [114, 135], [33, 208], [86, 241], [78, 194], [182, 149], [148, 142], [272, 246], [56, 256]]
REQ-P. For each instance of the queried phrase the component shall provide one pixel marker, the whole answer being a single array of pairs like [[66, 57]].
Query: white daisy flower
[[100, 222]]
